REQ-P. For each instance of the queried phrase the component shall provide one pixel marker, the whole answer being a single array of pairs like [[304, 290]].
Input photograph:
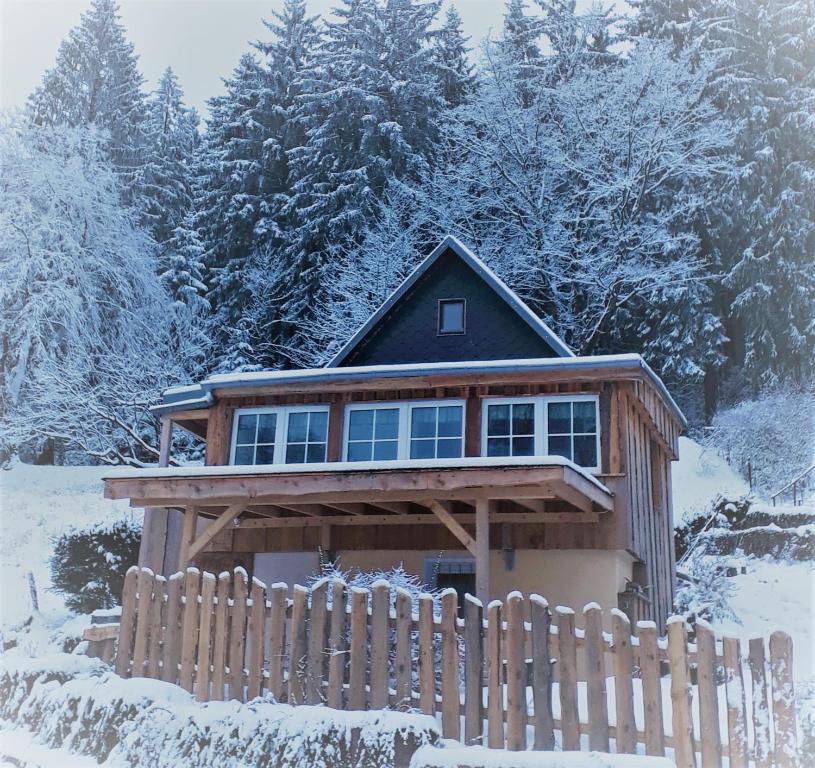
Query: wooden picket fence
[[508, 676]]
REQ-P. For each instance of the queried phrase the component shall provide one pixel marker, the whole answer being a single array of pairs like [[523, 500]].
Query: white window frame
[[282, 429], [541, 403], [404, 407]]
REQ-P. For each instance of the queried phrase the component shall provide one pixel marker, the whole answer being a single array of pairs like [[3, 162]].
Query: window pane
[[523, 419], [317, 426], [297, 427], [450, 421], [246, 428], [523, 446], [266, 427], [449, 448], [244, 454], [422, 449], [498, 446], [359, 451], [498, 421], [387, 424], [315, 452], [265, 454], [360, 425], [560, 446], [296, 453], [584, 417], [560, 421], [385, 450], [585, 451], [423, 422], [452, 317]]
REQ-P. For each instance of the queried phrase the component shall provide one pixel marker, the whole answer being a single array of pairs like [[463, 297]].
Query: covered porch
[[466, 496]]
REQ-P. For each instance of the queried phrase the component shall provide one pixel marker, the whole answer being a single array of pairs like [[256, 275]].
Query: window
[[419, 430], [511, 429], [287, 435], [572, 431], [451, 316], [558, 425], [436, 432], [373, 434]]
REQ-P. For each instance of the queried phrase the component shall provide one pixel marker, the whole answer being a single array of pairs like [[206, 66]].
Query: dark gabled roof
[[451, 243]]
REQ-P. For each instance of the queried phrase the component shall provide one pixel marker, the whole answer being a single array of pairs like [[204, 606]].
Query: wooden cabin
[[455, 434]]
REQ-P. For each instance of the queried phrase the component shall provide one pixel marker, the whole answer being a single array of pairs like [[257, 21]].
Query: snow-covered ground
[[37, 504]]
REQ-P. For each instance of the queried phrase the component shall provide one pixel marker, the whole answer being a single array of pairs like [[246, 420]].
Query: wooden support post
[[154, 529], [214, 528], [482, 550], [187, 536]]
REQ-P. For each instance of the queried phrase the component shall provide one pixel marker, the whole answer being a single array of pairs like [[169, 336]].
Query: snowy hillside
[[38, 503]]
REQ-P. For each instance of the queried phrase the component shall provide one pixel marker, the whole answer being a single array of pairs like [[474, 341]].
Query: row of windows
[[540, 426]]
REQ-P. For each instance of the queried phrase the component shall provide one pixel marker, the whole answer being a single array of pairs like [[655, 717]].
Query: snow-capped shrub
[[704, 592], [726, 514], [774, 434], [88, 566]]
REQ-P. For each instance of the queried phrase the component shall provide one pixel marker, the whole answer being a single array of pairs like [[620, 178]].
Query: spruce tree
[[456, 73], [96, 82]]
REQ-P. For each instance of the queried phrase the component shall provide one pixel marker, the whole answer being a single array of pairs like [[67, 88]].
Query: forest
[[645, 181]]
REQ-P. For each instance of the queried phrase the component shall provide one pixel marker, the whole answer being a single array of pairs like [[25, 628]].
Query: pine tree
[[455, 70], [172, 137], [96, 82], [519, 48]]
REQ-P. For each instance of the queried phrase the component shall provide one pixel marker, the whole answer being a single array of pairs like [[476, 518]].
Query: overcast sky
[[201, 40]]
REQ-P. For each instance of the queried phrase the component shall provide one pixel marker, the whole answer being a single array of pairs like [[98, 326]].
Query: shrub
[[88, 566]]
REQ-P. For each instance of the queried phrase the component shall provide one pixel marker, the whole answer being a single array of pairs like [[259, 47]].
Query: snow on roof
[[178, 398], [482, 270], [467, 462]]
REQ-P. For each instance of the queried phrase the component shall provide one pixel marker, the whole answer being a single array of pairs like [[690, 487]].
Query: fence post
[[651, 689], [297, 645], [237, 635], [171, 651], [684, 752], [450, 696], [205, 632], [380, 613], [144, 604], [711, 743], [157, 612], [402, 671], [427, 660], [318, 624], [734, 692], [596, 693], [257, 626], [495, 694], [219, 644], [567, 677], [359, 648], [336, 644], [760, 705], [473, 670], [541, 674], [277, 640], [127, 622], [784, 726], [189, 628], [516, 673], [623, 657]]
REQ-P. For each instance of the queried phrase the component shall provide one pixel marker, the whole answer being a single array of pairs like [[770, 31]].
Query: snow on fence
[[509, 676]]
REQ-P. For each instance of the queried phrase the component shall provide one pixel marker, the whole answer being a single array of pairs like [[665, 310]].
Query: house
[[455, 433]]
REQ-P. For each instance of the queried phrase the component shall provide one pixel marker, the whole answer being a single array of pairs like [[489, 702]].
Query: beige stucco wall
[[571, 577]]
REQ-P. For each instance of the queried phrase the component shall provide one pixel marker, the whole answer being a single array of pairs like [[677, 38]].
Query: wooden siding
[[408, 332]]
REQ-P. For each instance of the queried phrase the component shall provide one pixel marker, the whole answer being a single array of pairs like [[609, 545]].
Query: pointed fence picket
[[497, 671]]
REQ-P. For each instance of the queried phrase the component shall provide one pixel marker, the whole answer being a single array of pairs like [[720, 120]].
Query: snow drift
[[76, 703]]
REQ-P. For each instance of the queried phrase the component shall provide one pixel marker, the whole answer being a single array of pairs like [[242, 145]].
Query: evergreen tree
[[455, 71], [96, 82], [519, 50]]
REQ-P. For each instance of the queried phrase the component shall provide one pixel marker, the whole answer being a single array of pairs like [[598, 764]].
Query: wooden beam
[[165, 442], [464, 518], [352, 508], [214, 528], [396, 507], [187, 536], [482, 554], [310, 510], [441, 511], [533, 505], [575, 498]]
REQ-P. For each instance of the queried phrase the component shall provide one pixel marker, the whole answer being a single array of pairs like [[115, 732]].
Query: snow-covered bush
[[704, 592], [774, 434], [88, 566], [726, 514]]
